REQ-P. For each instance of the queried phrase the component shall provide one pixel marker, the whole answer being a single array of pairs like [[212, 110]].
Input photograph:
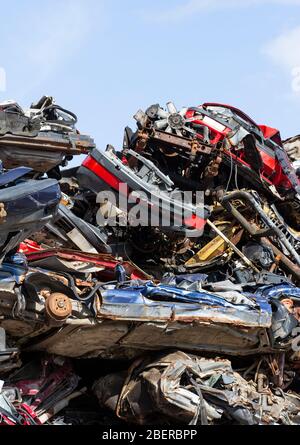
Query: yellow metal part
[[214, 248]]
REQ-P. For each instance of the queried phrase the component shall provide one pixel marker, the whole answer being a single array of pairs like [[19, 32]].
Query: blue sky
[[105, 59]]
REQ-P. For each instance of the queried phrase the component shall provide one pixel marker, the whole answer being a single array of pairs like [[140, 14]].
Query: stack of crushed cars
[[191, 318]]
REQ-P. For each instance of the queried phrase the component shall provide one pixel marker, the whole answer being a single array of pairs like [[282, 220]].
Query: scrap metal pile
[[157, 284]]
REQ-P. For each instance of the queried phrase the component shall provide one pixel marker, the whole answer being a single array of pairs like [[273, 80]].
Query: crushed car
[[173, 263]]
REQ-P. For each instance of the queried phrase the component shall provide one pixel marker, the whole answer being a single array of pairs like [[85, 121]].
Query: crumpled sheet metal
[[186, 389], [141, 317], [41, 138], [292, 147], [39, 390], [107, 261], [152, 303], [127, 293]]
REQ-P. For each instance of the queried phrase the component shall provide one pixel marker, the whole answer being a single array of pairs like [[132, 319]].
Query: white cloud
[[189, 8], [284, 50]]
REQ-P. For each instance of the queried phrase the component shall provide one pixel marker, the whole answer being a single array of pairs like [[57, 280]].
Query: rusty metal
[[276, 263], [277, 364], [219, 293], [43, 152], [181, 143], [177, 143], [143, 138], [44, 143], [212, 170], [58, 307], [284, 260], [3, 213]]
